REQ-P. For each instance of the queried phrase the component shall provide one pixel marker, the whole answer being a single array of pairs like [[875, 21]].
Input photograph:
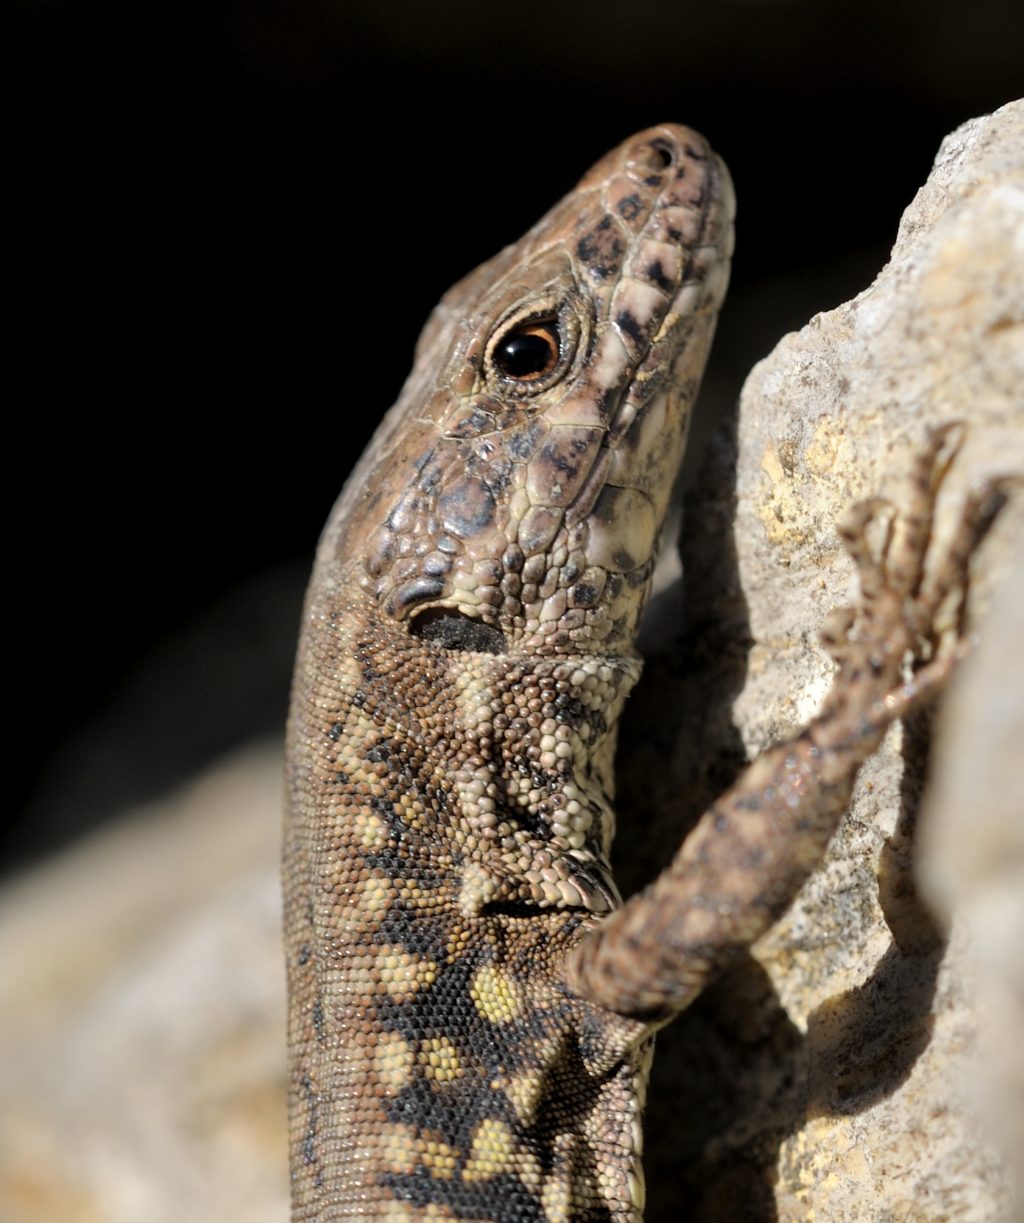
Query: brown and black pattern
[[443, 1063], [471, 1009]]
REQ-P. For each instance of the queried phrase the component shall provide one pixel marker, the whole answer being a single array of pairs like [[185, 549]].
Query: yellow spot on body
[[493, 1152], [439, 1059], [438, 1157], [523, 1093], [402, 974], [556, 1199], [393, 1061], [371, 830], [496, 994], [372, 896], [398, 1148]]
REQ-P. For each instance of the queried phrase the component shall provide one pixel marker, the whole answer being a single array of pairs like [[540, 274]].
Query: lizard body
[[471, 1010]]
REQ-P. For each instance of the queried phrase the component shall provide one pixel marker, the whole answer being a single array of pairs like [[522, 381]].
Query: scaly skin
[[470, 1023]]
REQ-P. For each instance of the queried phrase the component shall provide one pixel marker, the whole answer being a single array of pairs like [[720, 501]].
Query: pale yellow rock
[[938, 336], [834, 1076], [142, 1011], [972, 859]]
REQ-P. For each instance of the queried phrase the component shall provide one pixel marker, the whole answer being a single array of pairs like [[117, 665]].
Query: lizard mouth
[[453, 629]]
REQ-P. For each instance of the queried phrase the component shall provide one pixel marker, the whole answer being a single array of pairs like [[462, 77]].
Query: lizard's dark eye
[[528, 351]]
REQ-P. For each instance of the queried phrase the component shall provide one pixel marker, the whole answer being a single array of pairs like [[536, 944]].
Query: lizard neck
[[469, 790]]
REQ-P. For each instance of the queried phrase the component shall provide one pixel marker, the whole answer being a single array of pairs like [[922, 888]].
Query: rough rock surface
[[835, 1074], [832, 1075]]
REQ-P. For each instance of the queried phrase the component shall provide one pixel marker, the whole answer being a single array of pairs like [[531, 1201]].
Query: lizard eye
[[528, 351]]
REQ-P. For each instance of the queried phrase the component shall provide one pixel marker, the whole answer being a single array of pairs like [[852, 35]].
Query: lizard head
[[514, 496], [495, 545]]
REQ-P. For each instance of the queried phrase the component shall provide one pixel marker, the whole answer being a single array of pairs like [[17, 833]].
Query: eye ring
[[529, 351]]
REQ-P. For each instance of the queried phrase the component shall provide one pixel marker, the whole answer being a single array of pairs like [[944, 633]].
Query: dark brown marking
[[657, 276], [466, 507], [418, 590], [630, 207]]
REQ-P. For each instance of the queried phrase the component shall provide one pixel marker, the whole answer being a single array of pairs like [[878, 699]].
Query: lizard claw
[[854, 529]]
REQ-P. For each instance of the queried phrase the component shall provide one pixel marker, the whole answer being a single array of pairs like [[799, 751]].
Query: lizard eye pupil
[[528, 351]]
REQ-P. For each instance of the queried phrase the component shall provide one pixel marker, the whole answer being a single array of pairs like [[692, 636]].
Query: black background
[[226, 225]]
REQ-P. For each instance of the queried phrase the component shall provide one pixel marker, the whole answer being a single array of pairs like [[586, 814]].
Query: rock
[[142, 1005], [828, 1077], [971, 866]]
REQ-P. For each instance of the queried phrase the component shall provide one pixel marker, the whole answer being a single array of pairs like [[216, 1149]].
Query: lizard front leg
[[751, 852]]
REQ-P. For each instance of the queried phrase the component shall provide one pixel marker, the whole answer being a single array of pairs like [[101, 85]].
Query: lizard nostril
[[661, 154]]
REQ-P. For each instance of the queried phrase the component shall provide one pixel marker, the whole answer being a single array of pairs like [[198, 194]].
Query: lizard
[[472, 1006]]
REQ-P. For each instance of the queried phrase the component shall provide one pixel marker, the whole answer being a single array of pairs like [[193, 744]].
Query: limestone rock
[[971, 867], [826, 1078], [142, 1007]]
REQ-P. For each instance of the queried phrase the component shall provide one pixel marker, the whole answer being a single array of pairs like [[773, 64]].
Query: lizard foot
[[912, 604]]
